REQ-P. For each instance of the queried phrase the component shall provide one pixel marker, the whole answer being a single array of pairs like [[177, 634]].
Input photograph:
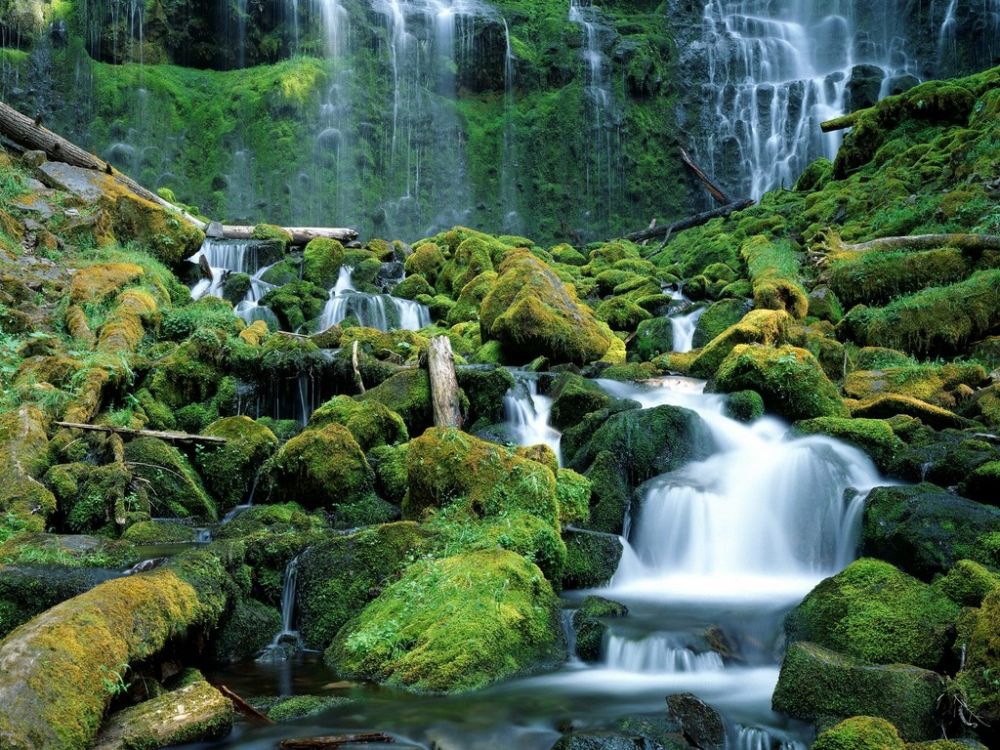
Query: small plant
[[113, 680]]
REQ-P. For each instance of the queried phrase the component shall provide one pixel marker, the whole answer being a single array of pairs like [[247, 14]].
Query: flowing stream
[[527, 412], [380, 311]]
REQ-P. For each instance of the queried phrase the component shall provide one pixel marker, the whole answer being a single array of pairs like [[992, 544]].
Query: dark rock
[[700, 724], [591, 558], [601, 741], [590, 628]]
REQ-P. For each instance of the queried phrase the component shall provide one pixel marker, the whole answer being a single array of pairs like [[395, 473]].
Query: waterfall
[[380, 311], [526, 415], [236, 256], [512, 223], [287, 641], [776, 70], [683, 327], [658, 653]]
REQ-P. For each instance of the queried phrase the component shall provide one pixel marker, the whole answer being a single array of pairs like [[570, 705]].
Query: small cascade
[[225, 257], [295, 397], [380, 311], [569, 634], [683, 328], [756, 738], [239, 509], [287, 642], [526, 415], [658, 653]]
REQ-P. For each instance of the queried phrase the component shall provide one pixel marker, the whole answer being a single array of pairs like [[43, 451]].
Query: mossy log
[[170, 437], [300, 235], [840, 123], [968, 242], [666, 230]]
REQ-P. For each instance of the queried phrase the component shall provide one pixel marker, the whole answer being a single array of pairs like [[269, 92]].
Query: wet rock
[[588, 622], [601, 741], [700, 724]]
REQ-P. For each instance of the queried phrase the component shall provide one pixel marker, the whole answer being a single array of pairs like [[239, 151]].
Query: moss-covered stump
[[23, 460], [244, 631], [860, 733], [176, 487], [874, 436], [591, 558], [230, 470], [925, 530], [54, 667], [454, 624], [370, 422], [817, 684], [408, 393], [532, 313], [790, 380], [320, 468], [877, 613], [194, 712], [588, 622], [339, 576]]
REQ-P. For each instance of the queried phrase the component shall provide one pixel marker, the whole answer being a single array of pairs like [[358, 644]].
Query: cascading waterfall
[[512, 223], [948, 15], [235, 256], [776, 70], [660, 653], [380, 311], [683, 327], [287, 640], [527, 412]]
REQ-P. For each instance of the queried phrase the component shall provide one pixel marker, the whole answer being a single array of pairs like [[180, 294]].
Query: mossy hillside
[[874, 612], [454, 624]]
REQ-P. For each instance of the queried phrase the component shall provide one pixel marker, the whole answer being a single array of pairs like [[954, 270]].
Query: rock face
[[819, 684], [194, 712]]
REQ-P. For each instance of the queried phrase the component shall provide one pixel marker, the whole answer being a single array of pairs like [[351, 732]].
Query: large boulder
[[53, 668], [230, 470], [789, 379], [592, 558], [877, 613], [177, 490], [244, 631], [408, 394], [765, 327], [532, 313], [817, 684], [370, 422], [573, 398], [701, 724], [860, 733], [925, 530], [454, 624]]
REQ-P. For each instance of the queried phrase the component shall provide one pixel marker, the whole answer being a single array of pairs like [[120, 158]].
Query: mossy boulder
[[412, 287], [891, 405], [823, 304], [29, 589], [321, 261], [370, 422], [653, 337], [745, 406], [408, 394], [983, 484], [24, 458], [860, 733], [176, 487], [873, 611], [874, 436], [925, 530], [427, 260], [245, 630], [588, 622], [52, 685], [389, 464], [774, 274], [621, 314], [573, 397], [340, 575], [485, 388], [192, 712], [766, 327], [573, 494], [319, 468], [967, 583], [454, 624], [532, 313], [230, 470], [592, 558], [718, 317], [790, 380], [165, 235], [700, 724], [471, 258], [159, 532], [816, 684], [471, 297], [982, 660]]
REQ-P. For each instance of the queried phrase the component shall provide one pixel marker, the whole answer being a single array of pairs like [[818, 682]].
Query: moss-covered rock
[[29, 589], [321, 261], [471, 297], [193, 712], [408, 394], [875, 612], [983, 484], [532, 313], [653, 337], [774, 274], [718, 317], [573, 494], [245, 631], [159, 532], [176, 488], [860, 733], [745, 406], [925, 530], [592, 558], [230, 470], [982, 660], [590, 628], [967, 583], [295, 707], [818, 684], [319, 468], [340, 575], [767, 327], [427, 260], [485, 388], [23, 460], [874, 436], [621, 314], [454, 624], [370, 422], [789, 379], [55, 667], [573, 397]]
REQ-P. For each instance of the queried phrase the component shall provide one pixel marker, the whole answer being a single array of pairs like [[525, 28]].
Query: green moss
[[389, 464], [978, 677], [745, 406], [320, 467], [718, 317], [370, 422], [176, 488], [774, 274], [245, 631], [471, 297], [453, 624], [23, 459], [967, 583], [874, 436], [427, 260], [230, 471], [591, 558], [767, 327], [159, 532], [408, 394], [301, 706], [485, 389], [984, 483], [790, 380], [874, 612], [588, 622], [321, 261], [653, 338], [860, 733], [573, 398], [573, 494], [412, 287], [273, 233]]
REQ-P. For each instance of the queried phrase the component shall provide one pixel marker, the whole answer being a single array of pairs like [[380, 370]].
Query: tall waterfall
[[777, 68]]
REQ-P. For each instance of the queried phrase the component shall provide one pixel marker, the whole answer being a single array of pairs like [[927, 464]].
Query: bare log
[[354, 365], [444, 383], [170, 437], [300, 235], [716, 192], [244, 708], [335, 740], [692, 221], [969, 242], [840, 123]]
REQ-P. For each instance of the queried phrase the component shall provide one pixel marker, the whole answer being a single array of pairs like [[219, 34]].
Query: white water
[[380, 311], [776, 70], [658, 654], [683, 327], [235, 256], [288, 635], [526, 415]]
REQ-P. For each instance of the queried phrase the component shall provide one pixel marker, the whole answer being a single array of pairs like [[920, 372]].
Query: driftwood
[[973, 242], [244, 708], [354, 365], [716, 192], [30, 135], [170, 437], [840, 123], [665, 230], [444, 383], [335, 740]]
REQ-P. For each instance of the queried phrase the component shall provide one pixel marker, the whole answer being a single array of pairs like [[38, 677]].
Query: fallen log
[[973, 242], [170, 437], [335, 740], [840, 123], [692, 221], [244, 708], [300, 235], [716, 192], [444, 383]]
